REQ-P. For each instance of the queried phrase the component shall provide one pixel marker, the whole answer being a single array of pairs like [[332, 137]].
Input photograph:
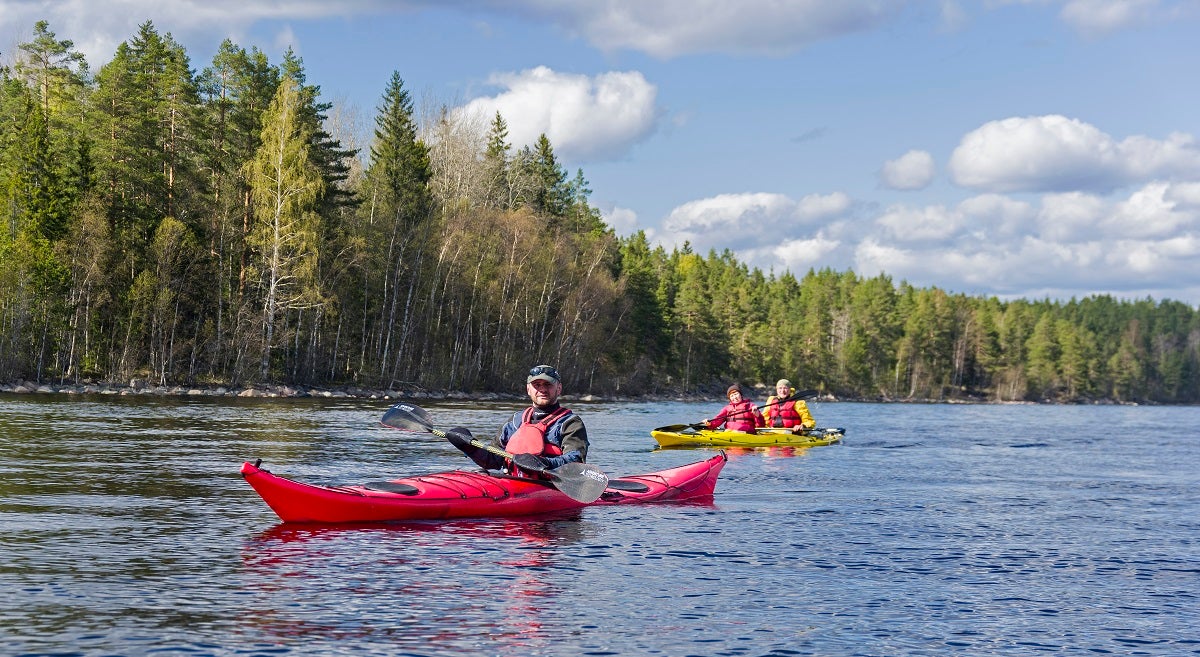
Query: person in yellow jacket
[[792, 414]]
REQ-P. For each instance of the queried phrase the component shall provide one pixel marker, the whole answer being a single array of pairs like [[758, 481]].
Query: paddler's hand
[[460, 437], [531, 462]]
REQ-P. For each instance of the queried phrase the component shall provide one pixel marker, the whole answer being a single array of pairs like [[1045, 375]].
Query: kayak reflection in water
[[541, 437], [739, 414], [790, 413]]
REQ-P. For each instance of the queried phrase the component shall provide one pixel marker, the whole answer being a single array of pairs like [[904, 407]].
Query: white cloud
[[1099, 17], [1147, 243], [752, 222], [817, 207], [913, 170], [1070, 217], [622, 220], [585, 118], [996, 215], [1149, 213], [930, 223], [1055, 153], [1185, 195], [98, 27], [669, 28], [796, 255]]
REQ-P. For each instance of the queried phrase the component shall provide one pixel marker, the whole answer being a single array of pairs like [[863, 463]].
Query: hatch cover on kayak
[[392, 487]]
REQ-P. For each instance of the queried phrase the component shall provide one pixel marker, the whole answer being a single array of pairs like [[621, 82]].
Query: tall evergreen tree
[[546, 191], [53, 68], [326, 152], [499, 189], [397, 227]]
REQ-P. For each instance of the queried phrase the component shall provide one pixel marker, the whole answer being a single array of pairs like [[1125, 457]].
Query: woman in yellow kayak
[[792, 413], [738, 415]]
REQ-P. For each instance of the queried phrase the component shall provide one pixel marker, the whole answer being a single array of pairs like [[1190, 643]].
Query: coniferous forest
[[219, 227]]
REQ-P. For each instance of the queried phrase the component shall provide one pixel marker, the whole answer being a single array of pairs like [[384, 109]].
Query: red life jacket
[[783, 415], [530, 437], [740, 416]]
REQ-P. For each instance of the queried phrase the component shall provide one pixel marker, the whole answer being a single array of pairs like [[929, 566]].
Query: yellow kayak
[[767, 437]]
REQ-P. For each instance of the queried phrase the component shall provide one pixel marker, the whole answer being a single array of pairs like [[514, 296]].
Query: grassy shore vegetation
[[220, 228]]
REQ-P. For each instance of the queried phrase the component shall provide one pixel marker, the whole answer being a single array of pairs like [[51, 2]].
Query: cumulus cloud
[[1055, 153], [1073, 244], [665, 28], [748, 221], [98, 27], [931, 223], [796, 255], [622, 220], [1098, 17], [1070, 217], [1149, 213], [585, 118], [993, 215], [1145, 242], [913, 170], [669, 28]]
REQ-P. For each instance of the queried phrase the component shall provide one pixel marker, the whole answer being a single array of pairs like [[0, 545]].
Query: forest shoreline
[[142, 388]]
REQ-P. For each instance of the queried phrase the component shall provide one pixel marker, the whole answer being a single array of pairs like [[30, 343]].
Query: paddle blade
[[804, 394], [403, 415], [677, 428], [579, 481]]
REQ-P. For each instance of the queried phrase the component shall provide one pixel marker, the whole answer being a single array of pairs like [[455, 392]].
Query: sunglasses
[[544, 369]]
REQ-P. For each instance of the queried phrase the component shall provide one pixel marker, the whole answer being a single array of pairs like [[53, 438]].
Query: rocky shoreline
[[137, 387], [140, 387], [267, 390]]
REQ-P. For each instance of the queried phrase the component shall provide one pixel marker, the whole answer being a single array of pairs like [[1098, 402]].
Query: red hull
[[462, 494]]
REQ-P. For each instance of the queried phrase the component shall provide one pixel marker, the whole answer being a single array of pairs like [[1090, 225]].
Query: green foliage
[[157, 223], [286, 186]]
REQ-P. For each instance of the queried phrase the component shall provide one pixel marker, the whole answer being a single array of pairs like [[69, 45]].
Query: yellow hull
[[763, 438]]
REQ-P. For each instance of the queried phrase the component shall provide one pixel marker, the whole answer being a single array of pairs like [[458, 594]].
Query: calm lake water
[[126, 529]]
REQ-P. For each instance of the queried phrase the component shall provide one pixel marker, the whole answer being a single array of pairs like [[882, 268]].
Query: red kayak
[[463, 494]]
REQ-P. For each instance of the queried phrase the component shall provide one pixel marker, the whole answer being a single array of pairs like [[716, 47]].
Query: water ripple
[[932, 530]]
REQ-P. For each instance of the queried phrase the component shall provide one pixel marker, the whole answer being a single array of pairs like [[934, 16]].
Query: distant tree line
[[212, 227]]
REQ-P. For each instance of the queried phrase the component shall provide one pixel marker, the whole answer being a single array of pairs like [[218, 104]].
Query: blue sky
[[1017, 148]]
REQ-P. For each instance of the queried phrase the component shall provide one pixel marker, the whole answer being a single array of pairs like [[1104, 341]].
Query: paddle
[[799, 394], [578, 481]]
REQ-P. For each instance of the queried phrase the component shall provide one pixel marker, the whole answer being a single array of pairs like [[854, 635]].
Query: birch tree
[[285, 187]]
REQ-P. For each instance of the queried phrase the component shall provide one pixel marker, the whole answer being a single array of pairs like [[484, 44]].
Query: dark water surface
[[125, 529]]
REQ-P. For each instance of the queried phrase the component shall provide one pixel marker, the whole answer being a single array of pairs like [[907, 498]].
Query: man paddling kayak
[[543, 436]]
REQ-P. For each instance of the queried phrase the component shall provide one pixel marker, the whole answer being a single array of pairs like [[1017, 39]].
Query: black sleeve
[[574, 441]]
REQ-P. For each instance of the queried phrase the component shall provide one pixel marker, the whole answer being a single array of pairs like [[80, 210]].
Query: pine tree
[[397, 229], [648, 333], [546, 190], [53, 68], [326, 152], [498, 193]]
